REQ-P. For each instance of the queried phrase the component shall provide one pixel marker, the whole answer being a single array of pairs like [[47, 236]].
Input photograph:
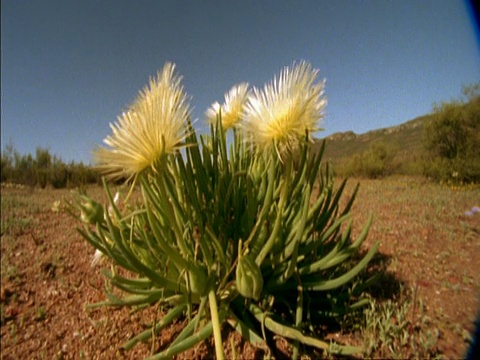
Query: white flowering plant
[[247, 233]]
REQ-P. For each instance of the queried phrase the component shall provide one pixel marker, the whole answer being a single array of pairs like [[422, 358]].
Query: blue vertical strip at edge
[[473, 10]]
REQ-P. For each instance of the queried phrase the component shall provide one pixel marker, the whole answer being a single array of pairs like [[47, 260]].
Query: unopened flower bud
[[198, 281], [92, 212], [249, 278]]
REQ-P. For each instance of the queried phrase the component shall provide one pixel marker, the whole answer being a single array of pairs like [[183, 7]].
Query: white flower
[[153, 127], [233, 108], [286, 109]]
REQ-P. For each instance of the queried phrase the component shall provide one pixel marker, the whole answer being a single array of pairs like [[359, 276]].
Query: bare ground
[[428, 246]]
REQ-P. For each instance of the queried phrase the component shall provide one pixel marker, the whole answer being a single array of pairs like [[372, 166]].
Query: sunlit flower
[[97, 258], [232, 109], [286, 109], [151, 128]]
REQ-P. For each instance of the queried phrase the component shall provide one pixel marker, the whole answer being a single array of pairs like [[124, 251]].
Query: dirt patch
[[428, 245]]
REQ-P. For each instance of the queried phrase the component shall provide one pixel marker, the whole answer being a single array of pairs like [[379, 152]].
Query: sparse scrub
[[398, 329], [15, 220]]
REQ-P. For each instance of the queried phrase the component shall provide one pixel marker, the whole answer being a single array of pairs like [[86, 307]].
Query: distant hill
[[406, 138]]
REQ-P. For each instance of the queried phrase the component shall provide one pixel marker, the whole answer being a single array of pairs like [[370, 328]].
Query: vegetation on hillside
[[402, 144], [443, 145]]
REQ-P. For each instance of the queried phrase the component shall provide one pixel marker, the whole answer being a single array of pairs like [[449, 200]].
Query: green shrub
[[43, 176], [452, 140], [6, 164], [376, 162], [59, 175]]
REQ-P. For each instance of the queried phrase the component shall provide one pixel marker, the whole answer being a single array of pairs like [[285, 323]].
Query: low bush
[[452, 140], [376, 162]]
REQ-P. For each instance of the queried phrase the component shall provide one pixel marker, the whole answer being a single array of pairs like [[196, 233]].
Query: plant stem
[[278, 221], [217, 335]]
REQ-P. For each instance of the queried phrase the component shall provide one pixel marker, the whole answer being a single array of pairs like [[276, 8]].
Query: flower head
[[286, 109], [153, 127], [233, 108]]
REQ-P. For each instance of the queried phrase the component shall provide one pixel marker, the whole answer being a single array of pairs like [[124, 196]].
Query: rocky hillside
[[406, 138]]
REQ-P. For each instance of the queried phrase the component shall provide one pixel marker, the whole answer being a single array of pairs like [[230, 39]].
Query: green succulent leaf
[[323, 285]]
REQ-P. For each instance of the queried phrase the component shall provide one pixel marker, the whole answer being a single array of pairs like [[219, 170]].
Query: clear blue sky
[[70, 67]]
